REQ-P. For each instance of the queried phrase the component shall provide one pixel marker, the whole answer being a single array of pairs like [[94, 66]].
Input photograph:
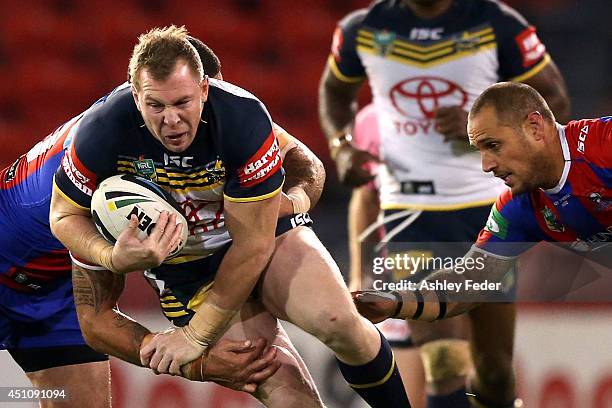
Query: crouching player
[[560, 191]]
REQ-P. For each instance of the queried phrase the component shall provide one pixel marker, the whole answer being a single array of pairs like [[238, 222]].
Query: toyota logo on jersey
[[419, 97]]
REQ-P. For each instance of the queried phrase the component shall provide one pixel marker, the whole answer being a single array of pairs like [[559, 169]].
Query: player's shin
[[378, 381], [446, 363]]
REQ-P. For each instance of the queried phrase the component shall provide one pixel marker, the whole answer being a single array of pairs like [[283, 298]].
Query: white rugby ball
[[120, 196]]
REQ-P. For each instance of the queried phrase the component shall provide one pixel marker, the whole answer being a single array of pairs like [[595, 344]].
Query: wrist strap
[[400, 303], [420, 305]]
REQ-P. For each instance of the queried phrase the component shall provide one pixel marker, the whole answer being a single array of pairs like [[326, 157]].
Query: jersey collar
[[566, 158]]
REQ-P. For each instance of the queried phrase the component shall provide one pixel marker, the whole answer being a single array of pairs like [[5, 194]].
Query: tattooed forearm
[[104, 327], [304, 169], [100, 289], [82, 288]]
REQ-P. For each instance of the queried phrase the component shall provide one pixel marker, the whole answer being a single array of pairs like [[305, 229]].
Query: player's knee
[[337, 328], [445, 360]]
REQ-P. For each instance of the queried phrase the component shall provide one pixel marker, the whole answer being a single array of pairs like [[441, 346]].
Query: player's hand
[[350, 162], [131, 254], [167, 351], [374, 305], [451, 121], [239, 365]]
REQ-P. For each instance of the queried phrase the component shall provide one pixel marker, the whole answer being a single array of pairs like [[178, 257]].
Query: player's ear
[[534, 125], [135, 96], [204, 88]]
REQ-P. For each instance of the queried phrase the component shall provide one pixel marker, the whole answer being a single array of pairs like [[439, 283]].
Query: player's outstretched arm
[[428, 304], [252, 228], [239, 365]]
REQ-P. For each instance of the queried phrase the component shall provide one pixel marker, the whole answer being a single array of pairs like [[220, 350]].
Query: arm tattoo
[[137, 332], [99, 289]]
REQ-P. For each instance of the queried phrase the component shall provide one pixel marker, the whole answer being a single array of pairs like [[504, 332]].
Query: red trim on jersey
[[530, 46], [82, 178], [39, 271], [38, 155], [504, 198], [263, 164], [590, 139]]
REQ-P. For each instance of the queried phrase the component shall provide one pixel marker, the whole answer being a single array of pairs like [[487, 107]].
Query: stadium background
[[58, 56]]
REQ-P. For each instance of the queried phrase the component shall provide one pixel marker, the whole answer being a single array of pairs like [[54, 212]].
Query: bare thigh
[[291, 385], [86, 385], [303, 285]]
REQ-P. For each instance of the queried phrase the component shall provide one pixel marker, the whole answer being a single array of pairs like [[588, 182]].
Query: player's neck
[[557, 161], [428, 10]]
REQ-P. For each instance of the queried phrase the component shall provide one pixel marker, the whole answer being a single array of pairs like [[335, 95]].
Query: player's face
[[172, 108], [506, 151]]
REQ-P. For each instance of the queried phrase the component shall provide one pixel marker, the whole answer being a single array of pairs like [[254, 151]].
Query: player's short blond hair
[[512, 102], [159, 49]]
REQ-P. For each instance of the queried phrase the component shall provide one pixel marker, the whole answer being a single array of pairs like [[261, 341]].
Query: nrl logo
[[145, 168], [383, 42], [551, 221]]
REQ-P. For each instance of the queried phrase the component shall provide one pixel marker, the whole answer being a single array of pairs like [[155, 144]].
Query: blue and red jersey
[[577, 211], [30, 256]]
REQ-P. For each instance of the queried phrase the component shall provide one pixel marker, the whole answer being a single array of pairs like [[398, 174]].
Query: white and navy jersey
[[234, 156], [415, 66]]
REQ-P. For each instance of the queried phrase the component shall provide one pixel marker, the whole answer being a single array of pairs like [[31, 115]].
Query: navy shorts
[[41, 330]]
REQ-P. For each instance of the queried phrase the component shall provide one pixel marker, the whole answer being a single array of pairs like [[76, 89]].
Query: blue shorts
[[31, 320]]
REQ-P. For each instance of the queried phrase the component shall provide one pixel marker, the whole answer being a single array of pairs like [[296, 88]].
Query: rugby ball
[[120, 196]]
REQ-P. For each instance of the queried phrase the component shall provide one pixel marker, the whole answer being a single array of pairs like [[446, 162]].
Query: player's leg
[[303, 285], [411, 368], [292, 385], [46, 342], [444, 352], [492, 341], [408, 359], [85, 385]]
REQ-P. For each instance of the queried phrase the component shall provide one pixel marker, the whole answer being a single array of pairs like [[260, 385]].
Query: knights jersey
[[234, 156], [30, 256], [416, 65], [578, 210]]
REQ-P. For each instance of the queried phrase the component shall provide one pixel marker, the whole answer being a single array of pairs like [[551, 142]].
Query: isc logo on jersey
[[119, 197]]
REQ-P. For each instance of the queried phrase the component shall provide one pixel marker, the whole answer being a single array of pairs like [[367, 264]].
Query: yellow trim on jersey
[[183, 259], [252, 199], [377, 383], [171, 305], [533, 71], [452, 57], [176, 314], [111, 206], [166, 298], [70, 200], [162, 180], [130, 165], [487, 33], [331, 62], [443, 207], [199, 297]]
